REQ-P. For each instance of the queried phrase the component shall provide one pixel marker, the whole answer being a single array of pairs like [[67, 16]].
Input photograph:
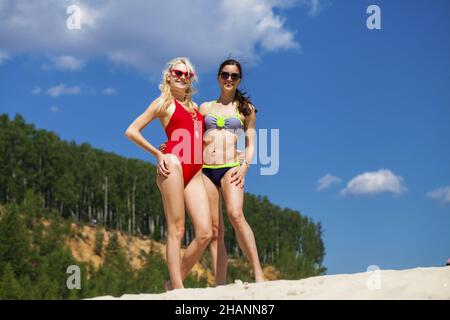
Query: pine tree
[[14, 243], [31, 207], [47, 288], [154, 273], [10, 288]]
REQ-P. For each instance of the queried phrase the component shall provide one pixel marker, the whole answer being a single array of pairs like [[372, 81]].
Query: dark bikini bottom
[[215, 173]]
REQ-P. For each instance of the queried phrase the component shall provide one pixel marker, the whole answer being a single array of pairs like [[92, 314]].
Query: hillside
[[82, 244], [84, 184], [37, 247], [53, 190]]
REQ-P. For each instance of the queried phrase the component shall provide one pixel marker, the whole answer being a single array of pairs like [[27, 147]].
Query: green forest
[[44, 177]]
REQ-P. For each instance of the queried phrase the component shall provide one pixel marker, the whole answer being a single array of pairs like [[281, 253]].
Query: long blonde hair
[[166, 96]]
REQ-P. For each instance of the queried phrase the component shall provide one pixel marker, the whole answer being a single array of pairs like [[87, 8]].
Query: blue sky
[[368, 108]]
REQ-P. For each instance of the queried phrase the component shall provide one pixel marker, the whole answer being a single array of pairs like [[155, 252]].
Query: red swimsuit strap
[[176, 121], [182, 119]]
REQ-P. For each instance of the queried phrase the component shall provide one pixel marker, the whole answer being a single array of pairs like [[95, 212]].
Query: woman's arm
[[250, 134], [238, 173], [133, 132]]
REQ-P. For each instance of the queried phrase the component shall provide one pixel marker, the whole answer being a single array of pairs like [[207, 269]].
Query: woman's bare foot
[[260, 278], [168, 286]]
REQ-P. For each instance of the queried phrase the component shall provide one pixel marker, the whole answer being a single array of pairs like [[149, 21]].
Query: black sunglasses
[[225, 75]]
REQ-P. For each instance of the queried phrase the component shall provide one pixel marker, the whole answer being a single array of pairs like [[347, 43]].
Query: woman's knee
[[204, 235], [217, 233], [176, 232], [236, 217]]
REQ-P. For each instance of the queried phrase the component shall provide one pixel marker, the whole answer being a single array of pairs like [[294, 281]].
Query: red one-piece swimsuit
[[185, 140]]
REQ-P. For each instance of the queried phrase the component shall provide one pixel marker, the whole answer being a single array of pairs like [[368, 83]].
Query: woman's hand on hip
[[162, 147], [237, 177], [162, 166]]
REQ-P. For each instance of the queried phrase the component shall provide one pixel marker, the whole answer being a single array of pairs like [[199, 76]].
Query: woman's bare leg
[[172, 193], [234, 199], [217, 246], [196, 201]]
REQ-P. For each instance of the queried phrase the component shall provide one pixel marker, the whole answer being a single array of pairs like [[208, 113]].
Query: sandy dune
[[418, 283]]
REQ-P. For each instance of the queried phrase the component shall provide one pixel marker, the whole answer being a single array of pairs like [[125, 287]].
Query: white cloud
[[109, 91], [327, 181], [36, 90], [3, 56], [145, 34], [372, 183], [54, 109], [61, 89], [65, 63], [441, 194], [316, 6]]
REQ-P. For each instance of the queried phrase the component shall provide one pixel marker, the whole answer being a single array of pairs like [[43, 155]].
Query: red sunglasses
[[178, 74]]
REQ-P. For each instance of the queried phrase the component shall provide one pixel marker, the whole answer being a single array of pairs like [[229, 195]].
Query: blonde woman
[[179, 174]]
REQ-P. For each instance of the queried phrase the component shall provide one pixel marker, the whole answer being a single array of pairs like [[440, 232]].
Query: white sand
[[418, 283]]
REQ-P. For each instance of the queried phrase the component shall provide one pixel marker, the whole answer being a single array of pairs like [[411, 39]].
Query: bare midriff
[[219, 147]]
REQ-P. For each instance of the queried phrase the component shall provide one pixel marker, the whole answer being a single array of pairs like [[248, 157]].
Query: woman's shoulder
[[252, 110], [205, 106], [250, 117], [156, 105], [161, 107]]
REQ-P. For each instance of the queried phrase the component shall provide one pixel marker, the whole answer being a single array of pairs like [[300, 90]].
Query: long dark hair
[[241, 97]]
